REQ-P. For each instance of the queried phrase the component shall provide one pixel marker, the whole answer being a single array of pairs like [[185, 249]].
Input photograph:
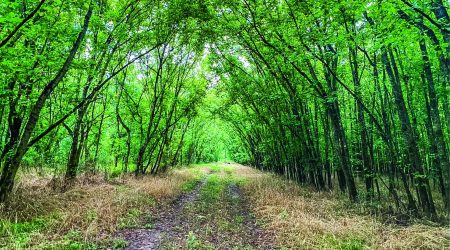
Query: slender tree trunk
[[438, 140], [75, 149], [128, 131], [99, 133], [180, 145], [15, 154], [409, 136], [77, 141], [367, 164]]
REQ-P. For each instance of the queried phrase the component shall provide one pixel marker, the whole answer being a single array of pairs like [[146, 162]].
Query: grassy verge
[[302, 218], [85, 217]]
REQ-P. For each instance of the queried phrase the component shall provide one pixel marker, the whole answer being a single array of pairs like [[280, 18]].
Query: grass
[[85, 217], [302, 218], [212, 220], [330, 241], [189, 185], [130, 220], [213, 189], [40, 216], [222, 168], [119, 244]]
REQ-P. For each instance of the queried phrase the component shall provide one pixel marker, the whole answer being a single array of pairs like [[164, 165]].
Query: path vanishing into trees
[[214, 214], [346, 97]]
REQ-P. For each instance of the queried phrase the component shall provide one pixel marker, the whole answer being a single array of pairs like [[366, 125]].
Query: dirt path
[[214, 215], [165, 221], [255, 236]]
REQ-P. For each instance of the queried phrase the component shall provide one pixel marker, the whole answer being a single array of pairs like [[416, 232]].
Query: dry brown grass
[[305, 219], [417, 237], [246, 172], [300, 217], [162, 187], [92, 207]]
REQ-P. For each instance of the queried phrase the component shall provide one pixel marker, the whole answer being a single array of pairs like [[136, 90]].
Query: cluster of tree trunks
[[312, 124]]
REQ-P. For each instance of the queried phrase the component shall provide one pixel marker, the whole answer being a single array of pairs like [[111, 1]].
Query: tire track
[[168, 218]]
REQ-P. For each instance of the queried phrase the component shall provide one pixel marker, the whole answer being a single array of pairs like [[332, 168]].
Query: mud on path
[[214, 215]]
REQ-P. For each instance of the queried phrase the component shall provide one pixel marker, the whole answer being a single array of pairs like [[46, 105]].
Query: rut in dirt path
[[166, 220], [255, 236]]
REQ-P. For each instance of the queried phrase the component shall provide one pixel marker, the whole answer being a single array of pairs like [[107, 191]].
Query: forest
[[348, 100]]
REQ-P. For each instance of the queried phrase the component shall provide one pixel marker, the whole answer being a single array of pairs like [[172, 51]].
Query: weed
[[330, 241], [303, 218], [91, 215], [130, 220], [239, 219], [40, 217], [115, 173], [189, 185], [75, 246], [119, 243], [73, 235], [284, 215], [213, 188], [208, 230], [225, 225], [20, 234], [220, 167], [192, 241], [149, 226]]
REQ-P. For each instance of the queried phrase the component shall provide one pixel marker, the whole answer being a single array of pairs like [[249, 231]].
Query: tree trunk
[[75, 148], [438, 140], [367, 164], [16, 153], [409, 136]]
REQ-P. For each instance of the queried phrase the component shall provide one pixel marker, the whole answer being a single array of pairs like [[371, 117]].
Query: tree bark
[[15, 154], [409, 136]]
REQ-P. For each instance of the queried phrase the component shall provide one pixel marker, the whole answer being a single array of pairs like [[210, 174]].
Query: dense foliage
[[318, 91]]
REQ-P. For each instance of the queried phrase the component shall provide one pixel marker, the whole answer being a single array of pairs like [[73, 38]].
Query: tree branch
[[6, 40]]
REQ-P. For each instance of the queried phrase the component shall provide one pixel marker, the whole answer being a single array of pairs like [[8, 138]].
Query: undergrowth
[[86, 216], [303, 218]]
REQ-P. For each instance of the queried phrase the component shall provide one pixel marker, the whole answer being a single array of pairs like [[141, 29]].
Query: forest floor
[[211, 206]]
